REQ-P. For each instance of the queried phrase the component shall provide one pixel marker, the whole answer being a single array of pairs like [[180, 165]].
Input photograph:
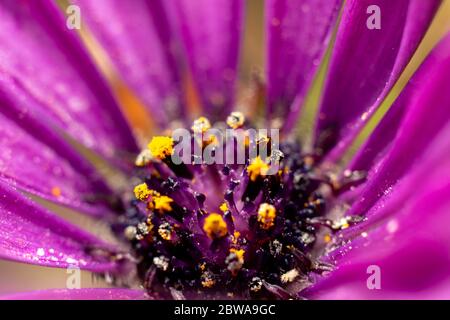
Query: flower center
[[243, 230]]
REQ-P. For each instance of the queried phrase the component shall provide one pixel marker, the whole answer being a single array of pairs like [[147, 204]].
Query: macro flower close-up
[[224, 149]]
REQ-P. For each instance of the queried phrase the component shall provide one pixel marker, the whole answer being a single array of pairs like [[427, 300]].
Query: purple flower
[[317, 228]]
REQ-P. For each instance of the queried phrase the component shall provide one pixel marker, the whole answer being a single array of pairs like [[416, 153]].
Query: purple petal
[[297, 37], [79, 294], [37, 160], [428, 103], [366, 63], [47, 60], [406, 236], [31, 165], [30, 234], [137, 38], [381, 139], [211, 34]]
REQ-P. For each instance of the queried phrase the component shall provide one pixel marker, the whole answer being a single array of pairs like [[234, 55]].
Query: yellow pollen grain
[[215, 227], [56, 191], [201, 125], [165, 234], [161, 203], [142, 192], [327, 238], [239, 254], [161, 147], [224, 207], [208, 283], [257, 168], [247, 140], [345, 225], [236, 120], [211, 140], [266, 216]]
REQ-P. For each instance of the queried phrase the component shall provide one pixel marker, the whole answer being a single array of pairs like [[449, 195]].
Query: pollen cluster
[[227, 230], [214, 226], [161, 147]]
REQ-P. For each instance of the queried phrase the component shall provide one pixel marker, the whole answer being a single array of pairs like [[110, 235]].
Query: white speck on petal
[[392, 226]]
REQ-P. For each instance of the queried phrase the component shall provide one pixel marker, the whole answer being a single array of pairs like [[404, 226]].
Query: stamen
[[255, 284], [165, 231], [161, 147], [239, 253], [144, 158], [224, 207], [236, 120], [257, 168], [215, 227], [235, 260], [160, 203], [235, 237], [161, 262], [130, 232], [142, 230], [208, 280], [261, 240], [142, 192], [266, 216], [201, 125], [289, 276]]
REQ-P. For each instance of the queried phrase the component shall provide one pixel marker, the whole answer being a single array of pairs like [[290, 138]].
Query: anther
[[161, 147], [130, 232], [235, 260], [224, 207], [165, 231], [255, 284], [257, 168], [266, 216], [142, 230], [142, 192], [215, 227], [161, 263], [160, 203], [289, 276], [201, 125], [207, 279], [236, 120]]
